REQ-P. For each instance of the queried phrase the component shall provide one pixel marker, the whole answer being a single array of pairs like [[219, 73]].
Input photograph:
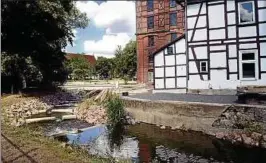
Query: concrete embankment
[[225, 121]]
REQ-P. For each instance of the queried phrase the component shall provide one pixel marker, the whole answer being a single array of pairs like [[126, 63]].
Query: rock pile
[[252, 139], [94, 114], [18, 112]]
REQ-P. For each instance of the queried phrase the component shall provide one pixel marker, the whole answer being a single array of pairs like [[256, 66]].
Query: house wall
[[215, 36], [170, 69]]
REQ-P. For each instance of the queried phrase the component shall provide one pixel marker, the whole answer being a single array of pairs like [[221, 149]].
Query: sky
[[111, 23]]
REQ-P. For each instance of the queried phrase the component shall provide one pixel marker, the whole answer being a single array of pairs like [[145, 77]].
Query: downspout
[[186, 43]]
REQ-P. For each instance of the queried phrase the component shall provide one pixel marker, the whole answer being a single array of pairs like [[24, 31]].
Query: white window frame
[[255, 61], [253, 7], [206, 66]]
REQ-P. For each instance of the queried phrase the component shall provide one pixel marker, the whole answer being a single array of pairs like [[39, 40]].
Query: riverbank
[[242, 124], [27, 144]]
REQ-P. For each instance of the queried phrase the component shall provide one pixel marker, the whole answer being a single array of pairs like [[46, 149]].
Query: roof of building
[[90, 58], [168, 44]]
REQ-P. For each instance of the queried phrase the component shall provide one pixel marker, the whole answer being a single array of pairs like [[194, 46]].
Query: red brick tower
[[157, 23]]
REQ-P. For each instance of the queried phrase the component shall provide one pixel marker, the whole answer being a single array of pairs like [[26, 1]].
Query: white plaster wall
[[159, 72], [217, 60], [222, 47], [181, 82], [180, 46], [231, 18], [192, 67], [170, 60], [247, 46], [247, 31], [200, 34], [158, 59], [181, 70], [191, 22], [262, 15], [230, 5], [180, 59], [169, 71], [263, 49], [159, 83], [263, 65], [233, 65], [261, 3], [231, 32], [170, 91], [189, 34], [217, 34], [201, 22], [193, 9], [218, 81], [203, 9], [170, 82], [232, 51], [262, 30], [216, 16], [201, 52]]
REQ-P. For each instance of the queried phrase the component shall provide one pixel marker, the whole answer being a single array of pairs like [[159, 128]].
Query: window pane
[[170, 50], [172, 3], [248, 56], [151, 41], [203, 66], [150, 5], [246, 12], [173, 20], [248, 70], [150, 22], [173, 36]]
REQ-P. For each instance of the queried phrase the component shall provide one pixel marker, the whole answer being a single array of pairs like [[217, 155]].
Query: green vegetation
[[123, 65], [79, 68], [115, 111], [33, 36]]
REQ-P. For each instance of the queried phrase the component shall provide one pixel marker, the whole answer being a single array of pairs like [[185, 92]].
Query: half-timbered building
[[224, 46]]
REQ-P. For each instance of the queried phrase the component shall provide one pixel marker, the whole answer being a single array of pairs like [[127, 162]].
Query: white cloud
[[107, 44], [245, 15], [118, 18], [115, 16]]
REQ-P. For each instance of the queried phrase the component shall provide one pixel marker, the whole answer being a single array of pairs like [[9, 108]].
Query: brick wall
[[161, 32]]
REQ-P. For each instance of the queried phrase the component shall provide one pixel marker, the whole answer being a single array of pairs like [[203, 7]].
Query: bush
[[115, 111]]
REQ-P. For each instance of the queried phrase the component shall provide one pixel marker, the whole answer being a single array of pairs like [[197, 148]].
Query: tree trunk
[[23, 81]]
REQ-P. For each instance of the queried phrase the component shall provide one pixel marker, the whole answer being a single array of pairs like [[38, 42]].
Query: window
[[248, 64], [150, 5], [173, 36], [246, 12], [172, 3], [151, 41], [173, 19], [170, 50], [150, 22], [203, 66]]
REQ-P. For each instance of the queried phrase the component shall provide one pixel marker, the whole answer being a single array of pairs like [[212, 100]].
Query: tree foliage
[[103, 67], [79, 68], [37, 31]]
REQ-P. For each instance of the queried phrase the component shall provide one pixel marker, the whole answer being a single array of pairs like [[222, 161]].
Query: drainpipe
[[186, 43]]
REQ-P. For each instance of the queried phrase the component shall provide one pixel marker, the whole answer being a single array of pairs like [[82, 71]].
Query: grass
[[40, 148]]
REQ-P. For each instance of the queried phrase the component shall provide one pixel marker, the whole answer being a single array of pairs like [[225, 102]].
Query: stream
[[148, 143]]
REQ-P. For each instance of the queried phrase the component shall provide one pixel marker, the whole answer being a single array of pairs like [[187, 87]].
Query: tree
[[103, 67], [79, 68], [37, 31], [126, 60]]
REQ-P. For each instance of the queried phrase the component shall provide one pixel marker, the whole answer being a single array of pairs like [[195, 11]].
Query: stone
[[162, 127], [246, 140], [219, 135], [256, 136]]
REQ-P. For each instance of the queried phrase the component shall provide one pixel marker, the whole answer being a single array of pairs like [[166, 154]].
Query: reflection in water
[[148, 143]]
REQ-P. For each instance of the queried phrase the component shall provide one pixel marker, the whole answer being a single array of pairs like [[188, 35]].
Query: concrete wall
[[191, 115]]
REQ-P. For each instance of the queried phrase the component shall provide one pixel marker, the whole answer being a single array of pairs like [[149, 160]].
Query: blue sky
[[111, 23]]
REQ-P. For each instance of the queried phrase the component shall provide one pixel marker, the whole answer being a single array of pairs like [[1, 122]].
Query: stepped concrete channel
[[63, 121]]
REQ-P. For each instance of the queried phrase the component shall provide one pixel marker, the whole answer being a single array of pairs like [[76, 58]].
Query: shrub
[[115, 110]]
